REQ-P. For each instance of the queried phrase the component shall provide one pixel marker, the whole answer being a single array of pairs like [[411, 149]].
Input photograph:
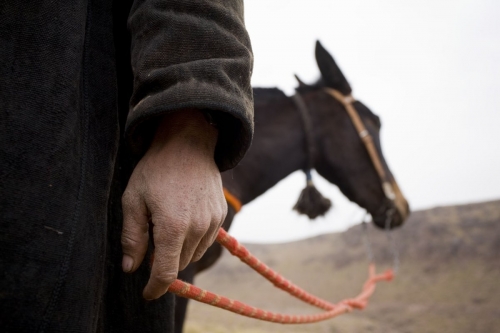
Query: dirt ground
[[449, 279]]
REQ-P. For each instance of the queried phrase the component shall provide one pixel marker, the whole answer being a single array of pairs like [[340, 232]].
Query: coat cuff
[[232, 113]]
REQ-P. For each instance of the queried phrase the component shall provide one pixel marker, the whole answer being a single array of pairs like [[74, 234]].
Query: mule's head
[[341, 157]]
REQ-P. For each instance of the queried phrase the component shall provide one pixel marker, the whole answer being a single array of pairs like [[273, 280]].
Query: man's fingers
[[135, 231], [195, 235], [208, 239], [178, 240], [159, 282], [168, 238], [209, 234]]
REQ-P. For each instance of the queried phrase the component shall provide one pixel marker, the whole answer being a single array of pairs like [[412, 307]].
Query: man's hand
[[177, 187]]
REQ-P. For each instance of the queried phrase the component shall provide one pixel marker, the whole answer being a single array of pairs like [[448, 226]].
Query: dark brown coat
[[75, 86]]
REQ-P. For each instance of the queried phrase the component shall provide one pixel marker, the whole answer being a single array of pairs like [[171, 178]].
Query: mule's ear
[[301, 83], [330, 72]]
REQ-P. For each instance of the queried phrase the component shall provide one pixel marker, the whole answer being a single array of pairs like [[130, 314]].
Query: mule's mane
[[303, 88], [267, 95]]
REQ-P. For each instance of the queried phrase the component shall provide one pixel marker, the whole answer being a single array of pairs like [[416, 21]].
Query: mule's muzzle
[[393, 214]]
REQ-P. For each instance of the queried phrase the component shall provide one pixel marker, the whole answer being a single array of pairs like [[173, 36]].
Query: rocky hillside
[[449, 278]]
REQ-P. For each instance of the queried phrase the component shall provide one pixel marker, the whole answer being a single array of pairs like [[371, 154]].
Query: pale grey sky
[[430, 69]]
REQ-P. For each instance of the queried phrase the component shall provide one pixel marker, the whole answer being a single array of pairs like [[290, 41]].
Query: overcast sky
[[431, 71]]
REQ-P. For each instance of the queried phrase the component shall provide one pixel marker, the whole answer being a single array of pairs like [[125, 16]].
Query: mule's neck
[[278, 149]]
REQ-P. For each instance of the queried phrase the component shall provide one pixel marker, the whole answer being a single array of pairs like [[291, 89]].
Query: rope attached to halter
[[187, 290], [232, 200]]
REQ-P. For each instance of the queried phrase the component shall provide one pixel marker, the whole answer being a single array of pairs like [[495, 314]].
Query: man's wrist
[[188, 127]]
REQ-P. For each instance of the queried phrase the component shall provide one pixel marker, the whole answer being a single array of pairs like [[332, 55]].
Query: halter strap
[[305, 115], [367, 139], [363, 133]]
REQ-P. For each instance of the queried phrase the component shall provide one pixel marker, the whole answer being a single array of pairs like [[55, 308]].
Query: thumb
[[135, 231]]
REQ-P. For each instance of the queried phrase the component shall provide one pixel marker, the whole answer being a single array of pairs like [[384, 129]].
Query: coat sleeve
[[191, 54]]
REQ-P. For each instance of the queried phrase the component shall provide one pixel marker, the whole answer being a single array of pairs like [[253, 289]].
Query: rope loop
[[184, 289]]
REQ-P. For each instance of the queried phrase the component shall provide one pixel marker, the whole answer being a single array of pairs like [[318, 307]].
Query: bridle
[[347, 102], [305, 116], [366, 138], [387, 187]]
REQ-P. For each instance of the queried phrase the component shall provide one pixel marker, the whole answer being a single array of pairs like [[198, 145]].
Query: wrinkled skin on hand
[[177, 188]]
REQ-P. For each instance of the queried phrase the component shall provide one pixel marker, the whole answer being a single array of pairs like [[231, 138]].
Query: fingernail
[[127, 263]]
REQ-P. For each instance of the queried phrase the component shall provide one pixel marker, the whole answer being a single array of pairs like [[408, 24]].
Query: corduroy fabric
[[208, 65], [65, 87]]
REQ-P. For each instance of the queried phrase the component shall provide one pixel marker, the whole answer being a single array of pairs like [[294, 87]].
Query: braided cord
[[187, 290]]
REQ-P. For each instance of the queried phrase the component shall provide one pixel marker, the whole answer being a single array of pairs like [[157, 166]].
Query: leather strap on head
[[308, 131], [367, 139]]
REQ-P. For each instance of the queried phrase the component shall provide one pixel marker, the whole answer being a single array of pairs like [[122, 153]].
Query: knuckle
[[224, 207], [198, 255], [130, 202], [128, 241], [127, 197], [217, 222], [165, 277], [155, 199], [222, 217], [220, 212], [200, 229], [224, 210], [166, 229]]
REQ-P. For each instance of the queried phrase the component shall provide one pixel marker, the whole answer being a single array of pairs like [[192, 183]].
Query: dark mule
[[280, 148]]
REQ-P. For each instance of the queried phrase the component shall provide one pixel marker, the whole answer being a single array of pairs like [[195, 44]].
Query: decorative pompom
[[311, 202]]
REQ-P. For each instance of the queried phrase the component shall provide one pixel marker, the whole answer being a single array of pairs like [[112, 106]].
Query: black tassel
[[311, 202]]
